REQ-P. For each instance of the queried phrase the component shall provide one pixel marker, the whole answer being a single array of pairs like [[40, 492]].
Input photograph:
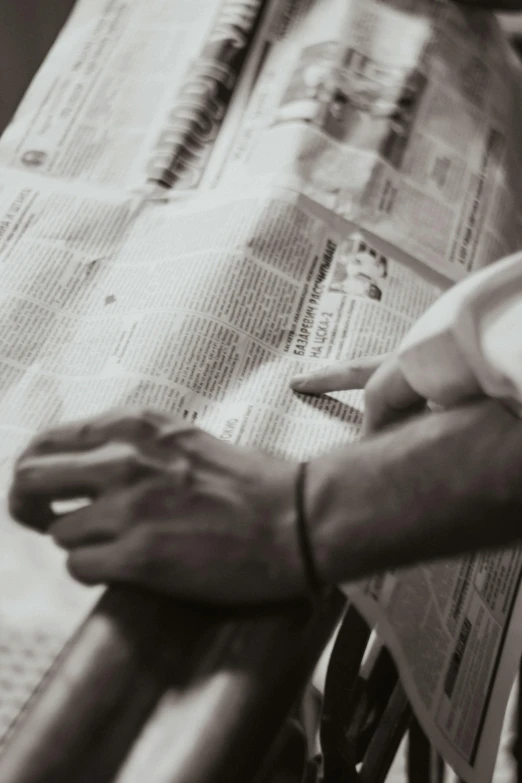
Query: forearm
[[439, 485]]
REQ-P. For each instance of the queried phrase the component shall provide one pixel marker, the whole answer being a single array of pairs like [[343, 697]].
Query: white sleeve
[[470, 341]]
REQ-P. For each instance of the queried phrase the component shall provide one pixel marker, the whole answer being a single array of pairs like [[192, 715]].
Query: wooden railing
[[171, 693]]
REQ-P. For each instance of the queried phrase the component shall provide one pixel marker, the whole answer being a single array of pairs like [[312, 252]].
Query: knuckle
[[144, 502], [86, 432], [116, 423], [137, 505], [141, 552], [24, 472], [137, 417], [180, 475], [179, 435], [141, 423], [40, 444], [184, 472], [144, 413], [154, 416], [129, 466]]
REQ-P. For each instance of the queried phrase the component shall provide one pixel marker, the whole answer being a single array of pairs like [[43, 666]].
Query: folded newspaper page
[[397, 119], [195, 206]]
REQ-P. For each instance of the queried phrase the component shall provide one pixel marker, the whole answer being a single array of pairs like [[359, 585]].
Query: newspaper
[[100, 109], [457, 625], [352, 107], [344, 164]]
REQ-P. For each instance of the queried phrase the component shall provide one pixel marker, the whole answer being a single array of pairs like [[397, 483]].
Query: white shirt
[[470, 340]]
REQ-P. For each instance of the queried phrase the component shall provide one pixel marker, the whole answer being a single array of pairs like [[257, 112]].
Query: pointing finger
[[341, 376]]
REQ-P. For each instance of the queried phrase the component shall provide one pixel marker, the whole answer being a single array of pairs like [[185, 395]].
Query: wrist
[[423, 490], [339, 503]]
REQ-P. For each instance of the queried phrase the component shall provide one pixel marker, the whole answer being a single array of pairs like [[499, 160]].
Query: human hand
[[171, 508], [387, 394], [178, 511]]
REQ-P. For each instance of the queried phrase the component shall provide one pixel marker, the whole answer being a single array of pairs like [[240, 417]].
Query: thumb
[[389, 397]]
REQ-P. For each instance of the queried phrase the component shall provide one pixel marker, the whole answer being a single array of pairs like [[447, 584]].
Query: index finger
[[120, 424], [38, 481], [342, 376]]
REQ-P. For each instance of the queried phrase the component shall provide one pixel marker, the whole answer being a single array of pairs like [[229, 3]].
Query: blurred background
[[27, 31], [29, 27]]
